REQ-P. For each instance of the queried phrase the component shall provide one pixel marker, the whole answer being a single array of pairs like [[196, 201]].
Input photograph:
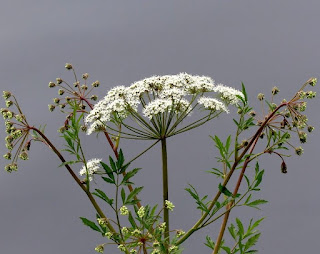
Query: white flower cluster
[[158, 95], [93, 166], [228, 94]]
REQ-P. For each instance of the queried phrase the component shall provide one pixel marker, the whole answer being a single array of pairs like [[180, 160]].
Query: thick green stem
[[165, 186]]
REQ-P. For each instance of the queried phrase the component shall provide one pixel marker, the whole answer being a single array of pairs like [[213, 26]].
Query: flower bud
[[9, 103], [313, 81], [84, 87], [124, 210], [302, 136], [11, 167], [56, 100], [76, 84], [252, 113], [7, 156], [24, 156], [310, 128], [99, 248]]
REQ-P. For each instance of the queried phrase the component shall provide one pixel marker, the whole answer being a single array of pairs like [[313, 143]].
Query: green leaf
[[112, 164], [209, 242], [108, 170], [123, 195], [120, 159], [103, 196], [90, 224], [108, 180], [224, 190], [259, 178], [131, 220], [256, 224], [232, 232], [68, 163], [129, 175], [244, 92], [240, 226], [252, 241], [131, 196], [256, 203]]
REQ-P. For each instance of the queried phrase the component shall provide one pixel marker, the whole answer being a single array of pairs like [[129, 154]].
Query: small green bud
[[302, 137], [311, 94], [20, 118], [122, 247], [136, 232], [168, 205], [6, 95], [124, 210], [108, 235], [125, 230], [180, 233], [156, 244], [9, 146], [60, 91], [85, 76], [260, 96], [102, 222], [141, 212], [68, 66]]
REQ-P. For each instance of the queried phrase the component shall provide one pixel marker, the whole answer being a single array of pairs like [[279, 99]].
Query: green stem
[[165, 186]]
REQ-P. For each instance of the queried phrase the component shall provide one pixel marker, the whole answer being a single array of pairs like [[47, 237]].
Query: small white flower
[[92, 166], [141, 212], [157, 106], [169, 205], [124, 210]]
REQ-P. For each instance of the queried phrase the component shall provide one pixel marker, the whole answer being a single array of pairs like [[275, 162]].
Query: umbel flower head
[[154, 108]]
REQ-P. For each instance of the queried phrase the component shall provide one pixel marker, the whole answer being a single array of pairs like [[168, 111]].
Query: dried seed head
[[24, 156], [299, 150], [313, 81], [302, 136], [11, 167], [68, 66], [51, 84], [85, 76], [61, 92], [59, 80], [260, 96], [283, 167], [94, 97], [275, 90], [56, 100], [7, 156], [96, 83], [84, 87], [252, 113], [310, 128], [51, 107], [6, 95]]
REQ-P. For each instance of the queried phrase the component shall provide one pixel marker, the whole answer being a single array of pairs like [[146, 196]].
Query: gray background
[[262, 43]]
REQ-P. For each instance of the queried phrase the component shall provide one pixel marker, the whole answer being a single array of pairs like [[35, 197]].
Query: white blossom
[[93, 166], [156, 107], [213, 104], [228, 94]]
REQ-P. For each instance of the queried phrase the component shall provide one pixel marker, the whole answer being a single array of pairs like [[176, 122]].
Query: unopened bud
[[85, 76], [96, 83], [283, 167], [51, 84], [275, 90], [68, 66], [61, 92], [260, 96]]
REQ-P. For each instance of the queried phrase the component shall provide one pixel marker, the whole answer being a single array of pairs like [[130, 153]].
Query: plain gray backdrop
[[260, 43]]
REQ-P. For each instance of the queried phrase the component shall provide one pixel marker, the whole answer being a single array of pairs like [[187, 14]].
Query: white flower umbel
[[93, 166], [213, 104], [228, 94], [158, 105]]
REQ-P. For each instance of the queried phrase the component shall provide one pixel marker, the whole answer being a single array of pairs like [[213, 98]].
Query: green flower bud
[[102, 222], [302, 137], [99, 248], [56, 100], [313, 81], [24, 156], [169, 205], [11, 167], [124, 210], [122, 247], [20, 118], [141, 212], [310, 128]]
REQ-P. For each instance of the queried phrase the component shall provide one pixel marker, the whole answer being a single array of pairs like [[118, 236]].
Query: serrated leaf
[[129, 175], [240, 226], [112, 164], [252, 241], [232, 232], [90, 224], [209, 242], [131, 196], [108, 170]]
